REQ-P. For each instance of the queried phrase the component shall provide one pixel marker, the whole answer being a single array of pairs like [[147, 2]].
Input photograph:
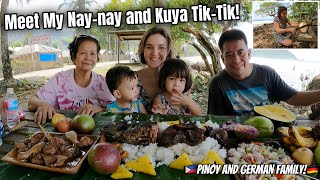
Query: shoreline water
[[296, 73], [261, 23]]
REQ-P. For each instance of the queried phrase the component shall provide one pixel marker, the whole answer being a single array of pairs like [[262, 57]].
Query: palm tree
[[6, 63], [80, 6]]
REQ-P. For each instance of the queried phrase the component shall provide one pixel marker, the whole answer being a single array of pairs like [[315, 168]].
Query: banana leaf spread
[[147, 132]]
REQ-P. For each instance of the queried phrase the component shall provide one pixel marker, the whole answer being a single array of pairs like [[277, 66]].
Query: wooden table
[[18, 172], [19, 135], [32, 127]]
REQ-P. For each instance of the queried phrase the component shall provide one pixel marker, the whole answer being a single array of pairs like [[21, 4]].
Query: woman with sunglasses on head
[[284, 35], [79, 89], [154, 49]]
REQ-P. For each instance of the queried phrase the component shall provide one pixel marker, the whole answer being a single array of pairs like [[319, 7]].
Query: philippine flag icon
[[190, 169]]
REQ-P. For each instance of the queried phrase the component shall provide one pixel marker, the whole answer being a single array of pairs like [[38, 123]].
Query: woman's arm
[[293, 24], [280, 30], [43, 109], [90, 109]]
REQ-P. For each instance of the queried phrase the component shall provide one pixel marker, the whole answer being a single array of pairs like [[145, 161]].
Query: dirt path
[[263, 38], [38, 78]]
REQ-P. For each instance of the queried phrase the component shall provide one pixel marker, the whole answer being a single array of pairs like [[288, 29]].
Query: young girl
[[175, 82], [123, 84]]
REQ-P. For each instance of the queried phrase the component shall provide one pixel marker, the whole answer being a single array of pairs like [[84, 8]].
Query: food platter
[[71, 165]]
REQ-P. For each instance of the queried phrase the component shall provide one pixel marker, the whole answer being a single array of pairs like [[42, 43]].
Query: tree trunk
[[229, 23], [209, 45], [82, 8], [161, 3], [204, 57], [6, 62]]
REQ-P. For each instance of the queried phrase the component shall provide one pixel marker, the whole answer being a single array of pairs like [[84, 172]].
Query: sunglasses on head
[[83, 36]]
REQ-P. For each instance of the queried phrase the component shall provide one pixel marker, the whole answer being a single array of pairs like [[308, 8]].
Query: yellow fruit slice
[[142, 164], [275, 112], [121, 173], [212, 158], [170, 123], [56, 118], [181, 162]]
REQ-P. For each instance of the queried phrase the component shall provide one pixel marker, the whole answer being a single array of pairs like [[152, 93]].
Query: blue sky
[[256, 6]]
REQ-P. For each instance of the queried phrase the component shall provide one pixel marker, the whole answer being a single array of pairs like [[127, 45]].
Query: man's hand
[[89, 109], [44, 111]]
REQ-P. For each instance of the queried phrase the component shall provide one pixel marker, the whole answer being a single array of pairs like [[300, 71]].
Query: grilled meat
[[69, 150], [34, 150], [137, 133], [52, 153], [37, 159], [60, 160], [49, 160], [50, 148], [187, 133], [20, 145], [35, 140], [85, 141]]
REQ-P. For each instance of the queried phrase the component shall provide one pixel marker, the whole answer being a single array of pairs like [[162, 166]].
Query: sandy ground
[[263, 38], [99, 67], [42, 75]]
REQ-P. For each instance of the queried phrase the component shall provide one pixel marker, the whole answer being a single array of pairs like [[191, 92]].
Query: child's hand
[[178, 98], [159, 109]]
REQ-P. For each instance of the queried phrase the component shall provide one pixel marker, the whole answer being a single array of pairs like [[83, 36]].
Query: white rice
[[211, 124], [198, 124], [163, 125], [162, 155], [128, 117]]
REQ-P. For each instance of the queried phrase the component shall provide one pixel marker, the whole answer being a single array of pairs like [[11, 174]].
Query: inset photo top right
[[285, 24]]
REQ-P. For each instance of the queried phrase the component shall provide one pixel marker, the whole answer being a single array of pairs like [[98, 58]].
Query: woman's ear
[[116, 94]]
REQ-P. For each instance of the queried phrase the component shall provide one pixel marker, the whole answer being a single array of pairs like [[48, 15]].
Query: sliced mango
[[212, 158], [142, 164], [170, 123], [275, 112], [181, 162], [300, 141], [121, 173]]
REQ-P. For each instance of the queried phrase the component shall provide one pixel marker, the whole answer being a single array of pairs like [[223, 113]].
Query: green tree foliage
[[77, 5], [207, 29], [268, 8], [6, 62], [26, 38], [304, 10], [211, 26], [123, 6], [15, 44], [80, 6]]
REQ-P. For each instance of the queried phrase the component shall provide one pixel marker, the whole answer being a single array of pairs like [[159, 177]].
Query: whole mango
[[263, 124], [104, 158], [83, 124]]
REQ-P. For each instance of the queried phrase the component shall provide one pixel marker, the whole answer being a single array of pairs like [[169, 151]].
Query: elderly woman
[[284, 35], [154, 49], [79, 89]]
